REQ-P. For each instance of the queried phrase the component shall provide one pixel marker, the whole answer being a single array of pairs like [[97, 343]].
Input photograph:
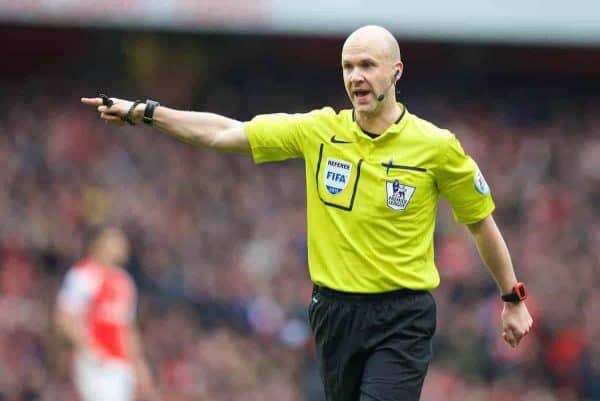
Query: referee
[[374, 174]]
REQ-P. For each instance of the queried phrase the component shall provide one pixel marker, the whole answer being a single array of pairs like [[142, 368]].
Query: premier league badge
[[336, 175], [480, 184], [398, 194]]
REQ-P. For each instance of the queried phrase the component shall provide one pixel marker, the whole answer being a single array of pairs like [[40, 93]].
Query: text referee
[[373, 176]]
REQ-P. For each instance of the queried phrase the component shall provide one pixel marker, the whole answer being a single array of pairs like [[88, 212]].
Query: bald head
[[371, 67], [376, 38]]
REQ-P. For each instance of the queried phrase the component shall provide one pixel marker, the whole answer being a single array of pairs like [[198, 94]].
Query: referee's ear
[[399, 70]]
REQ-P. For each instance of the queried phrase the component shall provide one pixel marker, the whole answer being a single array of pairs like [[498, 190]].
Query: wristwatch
[[518, 294], [149, 111]]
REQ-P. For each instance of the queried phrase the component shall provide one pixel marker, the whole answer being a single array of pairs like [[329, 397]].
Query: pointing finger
[[91, 101]]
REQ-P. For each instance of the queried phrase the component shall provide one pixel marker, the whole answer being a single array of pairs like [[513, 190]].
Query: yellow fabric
[[372, 203]]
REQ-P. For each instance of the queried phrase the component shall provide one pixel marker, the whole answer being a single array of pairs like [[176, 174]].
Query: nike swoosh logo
[[334, 140]]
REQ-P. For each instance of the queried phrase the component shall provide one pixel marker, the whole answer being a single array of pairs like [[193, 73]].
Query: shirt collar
[[395, 128]]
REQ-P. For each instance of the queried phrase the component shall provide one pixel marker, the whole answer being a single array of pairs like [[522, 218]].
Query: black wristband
[[151, 105], [511, 297], [127, 116], [518, 294]]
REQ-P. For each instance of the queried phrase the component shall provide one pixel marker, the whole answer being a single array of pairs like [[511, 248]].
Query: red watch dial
[[521, 291]]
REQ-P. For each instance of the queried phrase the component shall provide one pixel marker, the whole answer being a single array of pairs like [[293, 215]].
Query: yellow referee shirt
[[371, 203]]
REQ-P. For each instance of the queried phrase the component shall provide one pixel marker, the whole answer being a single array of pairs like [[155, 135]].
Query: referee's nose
[[354, 79]]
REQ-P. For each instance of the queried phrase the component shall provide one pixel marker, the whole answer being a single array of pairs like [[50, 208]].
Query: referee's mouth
[[361, 96]]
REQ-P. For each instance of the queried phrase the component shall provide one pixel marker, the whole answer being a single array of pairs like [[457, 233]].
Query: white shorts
[[103, 380]]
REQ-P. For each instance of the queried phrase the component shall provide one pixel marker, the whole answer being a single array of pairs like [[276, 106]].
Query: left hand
[[516, 322]]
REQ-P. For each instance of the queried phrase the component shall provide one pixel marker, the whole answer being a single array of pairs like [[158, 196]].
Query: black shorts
[[373, 347]]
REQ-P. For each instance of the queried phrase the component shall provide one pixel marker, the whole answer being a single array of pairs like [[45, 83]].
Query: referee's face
[[367, 73]]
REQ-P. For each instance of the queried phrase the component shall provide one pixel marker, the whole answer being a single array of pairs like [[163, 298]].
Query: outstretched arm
[[516, 320], [200, 129]]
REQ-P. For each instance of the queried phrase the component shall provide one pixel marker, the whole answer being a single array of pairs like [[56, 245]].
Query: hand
[[516, 322], [115, 113]]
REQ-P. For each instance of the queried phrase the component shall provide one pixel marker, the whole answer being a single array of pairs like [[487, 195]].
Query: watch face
[[521, 291]]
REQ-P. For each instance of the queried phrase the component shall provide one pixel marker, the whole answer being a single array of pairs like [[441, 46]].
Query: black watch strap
[[518, 294], [151, 105], [511, 297]]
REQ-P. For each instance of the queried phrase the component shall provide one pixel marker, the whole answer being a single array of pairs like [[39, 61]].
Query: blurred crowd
[[219, 249]]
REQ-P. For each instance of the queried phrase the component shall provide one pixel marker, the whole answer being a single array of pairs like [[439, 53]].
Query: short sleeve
[[462, 184], [76, 291], [275, 137]]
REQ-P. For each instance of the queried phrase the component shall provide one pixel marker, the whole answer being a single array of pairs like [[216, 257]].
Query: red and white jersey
[[105, 297]]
